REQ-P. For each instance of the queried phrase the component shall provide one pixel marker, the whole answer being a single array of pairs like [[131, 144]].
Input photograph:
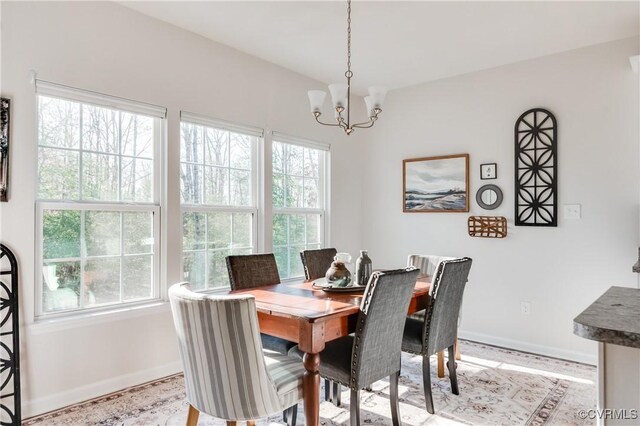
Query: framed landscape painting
[[436, 184]]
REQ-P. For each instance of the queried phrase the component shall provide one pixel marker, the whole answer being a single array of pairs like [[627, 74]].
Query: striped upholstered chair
[[227, 373], [316, 262], [257, 270], [439, 330]]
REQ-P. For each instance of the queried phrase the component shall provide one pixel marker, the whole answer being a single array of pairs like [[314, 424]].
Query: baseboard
[[56, 401], [583, 357]]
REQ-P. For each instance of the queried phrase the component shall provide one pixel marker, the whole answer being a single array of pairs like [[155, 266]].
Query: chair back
[[252, 270], [441, 324], [377, 346], [316, 262], [427, 263], [224, 369]]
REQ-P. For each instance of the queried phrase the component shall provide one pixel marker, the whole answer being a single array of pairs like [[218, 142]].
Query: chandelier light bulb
[[377, 94], [316, 100], [338, 94]]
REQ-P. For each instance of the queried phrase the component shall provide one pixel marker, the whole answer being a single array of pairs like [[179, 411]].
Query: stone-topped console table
[[613, 320]]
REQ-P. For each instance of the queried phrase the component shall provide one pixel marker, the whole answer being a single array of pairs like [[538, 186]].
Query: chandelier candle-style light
[[341, 96]]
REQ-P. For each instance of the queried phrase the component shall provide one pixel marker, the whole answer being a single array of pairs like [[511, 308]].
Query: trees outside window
[[298, 194], [97, 205], [218, 199]]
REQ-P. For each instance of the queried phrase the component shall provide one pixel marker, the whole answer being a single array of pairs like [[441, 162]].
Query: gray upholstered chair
[[439, 329], [257, 270], [316, 262], [428, 263], [226, 371], [252, 270], [373, 352]]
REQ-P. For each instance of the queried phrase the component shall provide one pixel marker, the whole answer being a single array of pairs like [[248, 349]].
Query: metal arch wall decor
[[536, 140], [10, 413], [5, 116]]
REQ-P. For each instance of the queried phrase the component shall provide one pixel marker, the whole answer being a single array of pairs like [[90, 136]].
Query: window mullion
[[121, 256], [206, 251], [83, 257], [81, 154]]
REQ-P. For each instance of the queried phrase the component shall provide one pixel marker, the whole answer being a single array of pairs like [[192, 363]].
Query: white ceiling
[[398, 44]]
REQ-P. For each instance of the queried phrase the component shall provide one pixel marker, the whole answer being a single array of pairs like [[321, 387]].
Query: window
[[298, 194], [217, 174], [98, 203]]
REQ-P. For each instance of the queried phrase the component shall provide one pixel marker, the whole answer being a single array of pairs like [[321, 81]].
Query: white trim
[[600, 381], [90, 318], [294, 140], [205, 208], [83, 393], [203, 120], [582, 357], [55, 90]]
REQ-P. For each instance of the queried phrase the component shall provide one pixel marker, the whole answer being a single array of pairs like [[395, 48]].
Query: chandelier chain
[[348, 74]]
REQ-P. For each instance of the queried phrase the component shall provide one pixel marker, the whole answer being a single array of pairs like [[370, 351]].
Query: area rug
[[497, 387]]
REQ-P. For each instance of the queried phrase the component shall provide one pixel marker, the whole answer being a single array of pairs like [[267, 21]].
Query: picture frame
[[5, 121], [488, 171], [436, 184]]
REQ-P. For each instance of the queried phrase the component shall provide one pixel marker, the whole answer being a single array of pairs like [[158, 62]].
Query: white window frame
[[256, 170], [323, 189], [53, 90]]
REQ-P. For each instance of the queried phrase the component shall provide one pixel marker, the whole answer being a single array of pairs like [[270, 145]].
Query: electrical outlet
[[525, 308], [572, 211]]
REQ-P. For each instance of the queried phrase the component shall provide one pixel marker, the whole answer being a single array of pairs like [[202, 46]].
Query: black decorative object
[[488, 171], [5, 105], [9, 340], [536, 180], [489, 197]]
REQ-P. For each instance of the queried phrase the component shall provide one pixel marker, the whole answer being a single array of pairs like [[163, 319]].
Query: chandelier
[[341, 96]]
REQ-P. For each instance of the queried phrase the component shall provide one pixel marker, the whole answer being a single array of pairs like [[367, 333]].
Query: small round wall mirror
[[489, 197]]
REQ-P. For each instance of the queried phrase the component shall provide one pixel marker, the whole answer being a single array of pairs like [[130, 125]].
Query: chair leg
[[458, 355], [251, 423], [426, 382], [327, 390], [395, 405], [192, 416], [292, 414], [355, 408], [336, 392], [441, 364], [231, 423], [452, 371]]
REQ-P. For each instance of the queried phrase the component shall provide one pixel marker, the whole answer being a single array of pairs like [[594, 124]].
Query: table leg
[[311, 388], [441, 364]]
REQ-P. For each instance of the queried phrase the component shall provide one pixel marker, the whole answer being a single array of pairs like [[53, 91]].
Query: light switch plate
[[572, 211]]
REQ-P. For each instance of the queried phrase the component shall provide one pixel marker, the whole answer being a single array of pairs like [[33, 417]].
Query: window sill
[[87, 319]]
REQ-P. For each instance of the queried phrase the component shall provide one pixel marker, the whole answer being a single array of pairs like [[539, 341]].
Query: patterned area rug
[[497, 387]]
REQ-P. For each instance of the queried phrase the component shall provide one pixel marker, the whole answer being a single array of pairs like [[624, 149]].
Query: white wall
[[594, 96], [110, 49]]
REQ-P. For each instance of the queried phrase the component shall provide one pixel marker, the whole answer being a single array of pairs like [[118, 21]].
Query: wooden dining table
[[309, 316]]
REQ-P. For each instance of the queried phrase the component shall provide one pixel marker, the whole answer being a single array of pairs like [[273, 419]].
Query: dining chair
[[428, 263], [227, 373], [316, 262], [257, 270], [439, 329], [373, 352]]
